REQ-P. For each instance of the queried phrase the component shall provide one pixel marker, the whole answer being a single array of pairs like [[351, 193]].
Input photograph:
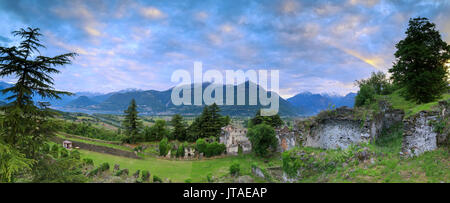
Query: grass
[[388, 165], [178, 170], [410, 107], [115, 146]]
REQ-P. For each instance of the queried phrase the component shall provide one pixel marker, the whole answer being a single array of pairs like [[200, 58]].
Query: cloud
[[318, 46], [152, 13]]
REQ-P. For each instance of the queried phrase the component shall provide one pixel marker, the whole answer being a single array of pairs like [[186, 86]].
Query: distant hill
[[80, 102], [155, 102], [311, 104], [160, 103]]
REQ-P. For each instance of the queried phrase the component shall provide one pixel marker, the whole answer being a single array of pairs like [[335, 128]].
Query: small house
[[67, 144]]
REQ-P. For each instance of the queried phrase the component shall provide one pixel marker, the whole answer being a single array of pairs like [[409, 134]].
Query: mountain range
[[153, 102]]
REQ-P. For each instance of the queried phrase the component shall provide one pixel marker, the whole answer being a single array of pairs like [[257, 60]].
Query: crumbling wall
[[422, 132], [286, 139], [344, 126], [235, 138]]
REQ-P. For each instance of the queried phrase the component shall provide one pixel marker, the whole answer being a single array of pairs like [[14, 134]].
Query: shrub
[[55, 151], [121, 172], [201, 145], [180, 151], [64, 152], [93, 172], [163, 147], [235, 169], [157, 179], [104, 167], [209, 178], [88, 161], [188, 180], [75, 154], [145, 177], [46, 148]]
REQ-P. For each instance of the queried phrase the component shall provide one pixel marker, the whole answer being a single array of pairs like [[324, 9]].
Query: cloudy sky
[[318, 46]]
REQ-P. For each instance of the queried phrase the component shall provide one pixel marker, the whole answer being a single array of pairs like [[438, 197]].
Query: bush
[[201, 145], [55, 151], [180, 151], [104, 167], [209, 178], [157, 179], [235, 169], [46, 148], [210, 149], [75, 154], [188, 180], [88, 161], [145, 177], [64, 153], [163, 147], [263, 139], [121, 172]]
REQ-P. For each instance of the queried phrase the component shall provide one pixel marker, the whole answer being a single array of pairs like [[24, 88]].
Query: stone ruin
[[420, 134], [344, 126], [235, 138], [189, 152], [286, 139]]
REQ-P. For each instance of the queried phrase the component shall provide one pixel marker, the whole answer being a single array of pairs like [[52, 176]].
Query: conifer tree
[[131, 124], [24, 125], [179, 126]]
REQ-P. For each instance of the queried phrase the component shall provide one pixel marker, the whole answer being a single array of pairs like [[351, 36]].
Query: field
[[179, 170]]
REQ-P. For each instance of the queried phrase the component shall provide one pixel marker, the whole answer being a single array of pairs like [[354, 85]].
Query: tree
[[164, 147], [12, 162], [274, 121], [25, 126], [131, 123], [379, 81], [179, 131], [365, 96], [263, 139], [420, 62], [208, 124], [159, 130]]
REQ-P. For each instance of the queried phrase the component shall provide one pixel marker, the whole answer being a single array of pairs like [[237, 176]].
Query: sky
[[318, 46]]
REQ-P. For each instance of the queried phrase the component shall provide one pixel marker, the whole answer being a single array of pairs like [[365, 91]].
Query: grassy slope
[[410, 108], [432, 166], [176, 170], [115, 146]]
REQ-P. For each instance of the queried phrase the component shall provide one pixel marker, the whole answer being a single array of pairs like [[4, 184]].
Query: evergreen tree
[[420, 62], [131, 124], [24, 125], [208, 124], [274, 121], [179, 131], [159, 130]]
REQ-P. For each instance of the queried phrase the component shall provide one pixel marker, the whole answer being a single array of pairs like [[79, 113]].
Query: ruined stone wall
[[344, 126], [235, 138], [286, 139], [420, 131]]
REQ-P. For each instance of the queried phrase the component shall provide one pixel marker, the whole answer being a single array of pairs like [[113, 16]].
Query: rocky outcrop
[[426, 130], [344, 126]]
